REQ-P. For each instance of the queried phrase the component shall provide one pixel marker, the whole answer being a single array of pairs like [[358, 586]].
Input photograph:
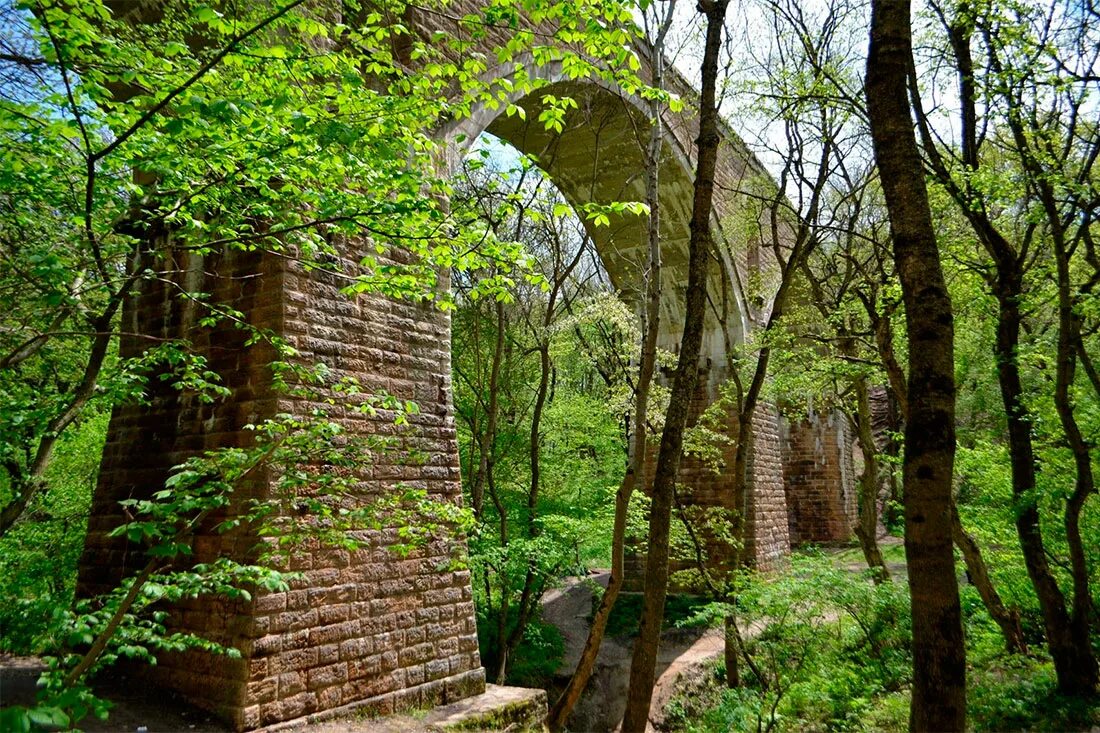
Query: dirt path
[[601, 708], [707, 649]]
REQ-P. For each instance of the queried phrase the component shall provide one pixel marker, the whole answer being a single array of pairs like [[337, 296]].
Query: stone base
[[450, 692], [511, 709], [496, 709]]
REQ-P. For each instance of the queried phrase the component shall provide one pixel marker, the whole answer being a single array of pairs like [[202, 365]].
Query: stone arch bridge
[[366, 629]]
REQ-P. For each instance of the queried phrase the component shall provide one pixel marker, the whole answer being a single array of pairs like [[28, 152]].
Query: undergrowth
[[831, 652]]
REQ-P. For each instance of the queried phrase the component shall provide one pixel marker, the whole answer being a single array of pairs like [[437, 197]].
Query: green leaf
[[48, 717], [15, 718]]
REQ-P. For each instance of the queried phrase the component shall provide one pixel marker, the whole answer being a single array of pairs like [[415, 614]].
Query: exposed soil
[[602, 706]]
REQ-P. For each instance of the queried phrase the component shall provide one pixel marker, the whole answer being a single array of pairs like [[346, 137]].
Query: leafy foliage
[[540, 400], [134, 139], [827, 642], [38, 557]]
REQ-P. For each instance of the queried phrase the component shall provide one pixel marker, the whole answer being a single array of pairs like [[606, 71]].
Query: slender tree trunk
[[541, 391], [27, 485], [897, 403], [486, 479], [1081, 673], [492, 409], [1056, 620], [532, 590], [644, 661], [748, 402], [867, 528], [1067, 640], [939, 656], [1007, 619], [731, 653], [502, 581], [563, 706]]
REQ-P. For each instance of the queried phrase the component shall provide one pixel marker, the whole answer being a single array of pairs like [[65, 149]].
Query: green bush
[[38, 556], [535, 661], [680, 610], [834, 651], [827, 643]]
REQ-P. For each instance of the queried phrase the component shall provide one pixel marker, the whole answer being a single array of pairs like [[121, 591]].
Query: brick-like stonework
[[365, 627], [822, 503], [768, 543]]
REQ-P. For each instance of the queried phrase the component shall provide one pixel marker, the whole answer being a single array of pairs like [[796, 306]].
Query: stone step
[[498, 709]]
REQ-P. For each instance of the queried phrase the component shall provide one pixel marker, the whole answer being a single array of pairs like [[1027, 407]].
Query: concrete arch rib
[[599, 158]]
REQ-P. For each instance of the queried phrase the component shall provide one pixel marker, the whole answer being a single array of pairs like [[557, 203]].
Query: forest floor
[[893, 552], [684, 651]]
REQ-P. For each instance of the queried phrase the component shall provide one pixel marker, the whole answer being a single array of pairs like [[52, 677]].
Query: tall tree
[[644, 662], [792, 88], [1033, 71], [657, 25], [939, 656]]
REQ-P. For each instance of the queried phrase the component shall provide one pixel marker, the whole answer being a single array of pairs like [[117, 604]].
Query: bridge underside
[[366, 628]]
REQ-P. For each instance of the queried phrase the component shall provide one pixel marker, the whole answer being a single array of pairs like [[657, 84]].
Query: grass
[[626, 615], [893, 553]]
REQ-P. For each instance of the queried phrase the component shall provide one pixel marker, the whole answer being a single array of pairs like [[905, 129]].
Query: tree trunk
[[532, 590], [492, 409], [487, 479], [563, 707], [939, 657], [731, 653], [867, 528], [1008, 619], [1080, 670], [1056, 620], [644, 661]]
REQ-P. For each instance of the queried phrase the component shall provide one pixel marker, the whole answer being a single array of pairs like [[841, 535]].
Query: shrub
[[38, 556]]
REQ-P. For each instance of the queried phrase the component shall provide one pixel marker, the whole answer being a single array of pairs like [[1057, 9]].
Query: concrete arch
[[599, 158]]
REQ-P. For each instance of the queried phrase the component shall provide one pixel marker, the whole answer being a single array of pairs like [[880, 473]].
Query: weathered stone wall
[[822, 503], [709, 484], [144, 442], [363, 627], [369, 625], [768, 543]]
